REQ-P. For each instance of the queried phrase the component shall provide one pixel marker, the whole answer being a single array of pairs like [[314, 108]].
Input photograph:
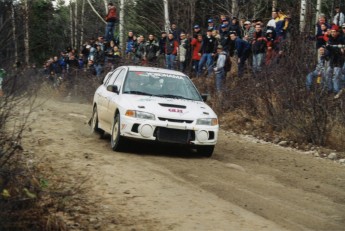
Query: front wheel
[[205, 151], [117, 141]]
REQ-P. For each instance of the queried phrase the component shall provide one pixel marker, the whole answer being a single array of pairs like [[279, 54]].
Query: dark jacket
[[209, 45]]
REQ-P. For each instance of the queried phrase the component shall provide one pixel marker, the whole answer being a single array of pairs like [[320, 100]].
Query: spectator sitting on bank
[[319, 74]]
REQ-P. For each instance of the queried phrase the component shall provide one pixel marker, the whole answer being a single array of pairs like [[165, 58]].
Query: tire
[[205, 151], [117, 141], [94, 122]]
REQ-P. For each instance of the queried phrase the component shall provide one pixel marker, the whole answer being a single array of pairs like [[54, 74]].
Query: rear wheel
[[205, 151], [94, 122], [117, 141]]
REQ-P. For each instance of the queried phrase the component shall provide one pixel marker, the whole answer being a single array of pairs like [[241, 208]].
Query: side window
[[119, 80], [112, 78]]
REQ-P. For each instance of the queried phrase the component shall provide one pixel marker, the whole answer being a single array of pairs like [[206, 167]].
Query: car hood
[[170, 108]]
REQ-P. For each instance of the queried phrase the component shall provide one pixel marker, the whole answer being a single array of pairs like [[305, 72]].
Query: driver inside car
[[133, 84]]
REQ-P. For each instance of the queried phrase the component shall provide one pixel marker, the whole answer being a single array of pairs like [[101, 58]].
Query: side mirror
[[204, 97], [113, 88]]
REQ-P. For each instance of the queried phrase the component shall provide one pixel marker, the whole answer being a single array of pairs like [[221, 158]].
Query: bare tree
[[302, 16], [318, 9], [166, 16], [94, 10], [82, 22], [122, 37], [26, 35], [71, 22], [274, 4], [75, 25], [234, 8], [14, 33]]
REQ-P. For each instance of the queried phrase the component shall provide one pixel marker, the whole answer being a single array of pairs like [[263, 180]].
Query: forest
[[275, 104]]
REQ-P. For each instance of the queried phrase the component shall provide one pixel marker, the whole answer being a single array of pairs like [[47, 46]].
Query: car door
[[104, 94], [113, 100]]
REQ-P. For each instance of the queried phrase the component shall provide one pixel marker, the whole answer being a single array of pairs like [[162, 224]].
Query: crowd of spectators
[[250, 43]]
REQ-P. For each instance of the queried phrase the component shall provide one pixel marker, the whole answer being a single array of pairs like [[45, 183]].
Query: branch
[[93, 8]]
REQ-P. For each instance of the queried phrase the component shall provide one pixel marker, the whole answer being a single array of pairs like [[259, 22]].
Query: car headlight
[[140, 115], [207, 121]]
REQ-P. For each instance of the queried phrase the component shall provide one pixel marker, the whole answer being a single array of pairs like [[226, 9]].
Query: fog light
[[202, 136], [146, 130]]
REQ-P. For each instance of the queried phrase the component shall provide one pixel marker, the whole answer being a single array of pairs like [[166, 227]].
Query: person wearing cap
[[235, 26], [207, 51], [225, 21], [224, 38], [339, 17], [242, 48], [248, 31], [210, 23], [335, 46], [196, 31], [219, 68], [111, 19]]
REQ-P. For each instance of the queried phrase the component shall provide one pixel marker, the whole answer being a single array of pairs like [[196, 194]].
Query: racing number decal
[[175, 110]]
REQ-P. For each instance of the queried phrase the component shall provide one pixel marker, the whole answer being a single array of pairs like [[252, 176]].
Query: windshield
[[160, 85]]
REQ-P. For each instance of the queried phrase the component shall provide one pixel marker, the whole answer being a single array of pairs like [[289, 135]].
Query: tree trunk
[[192, 15], [166, 16], [14, 33], [106, 6], [121, 29], [94, 10], [318, 9], [71, 23], [302, 16], [75, 25], [274, 5], [82, 23], [26, 35], [234, 8]]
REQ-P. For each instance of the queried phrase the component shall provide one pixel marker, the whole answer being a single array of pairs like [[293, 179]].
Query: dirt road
[[246, 185]]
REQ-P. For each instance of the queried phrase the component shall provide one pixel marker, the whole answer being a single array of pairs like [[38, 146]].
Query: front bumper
[[168, 132]]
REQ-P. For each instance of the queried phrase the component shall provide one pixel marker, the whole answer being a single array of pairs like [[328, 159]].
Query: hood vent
[[172, 105]]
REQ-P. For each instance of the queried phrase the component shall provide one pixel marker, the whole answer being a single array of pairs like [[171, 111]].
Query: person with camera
[[336, 48]]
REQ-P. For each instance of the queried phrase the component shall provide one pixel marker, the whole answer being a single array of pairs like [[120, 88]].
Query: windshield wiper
[[137, 93]]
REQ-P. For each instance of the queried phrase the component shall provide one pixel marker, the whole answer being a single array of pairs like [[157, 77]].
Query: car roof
[[154, 69]]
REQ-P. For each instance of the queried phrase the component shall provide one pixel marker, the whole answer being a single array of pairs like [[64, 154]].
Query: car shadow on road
[[151, 148]]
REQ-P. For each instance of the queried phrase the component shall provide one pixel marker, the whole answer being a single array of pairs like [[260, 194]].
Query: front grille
[[175, 120], [169, 135]]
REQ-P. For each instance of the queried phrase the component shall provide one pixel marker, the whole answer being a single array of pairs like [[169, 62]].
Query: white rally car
[[154, 104]]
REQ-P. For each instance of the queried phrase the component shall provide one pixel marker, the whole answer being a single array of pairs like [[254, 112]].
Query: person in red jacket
[[111, 19], [196, 45]]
